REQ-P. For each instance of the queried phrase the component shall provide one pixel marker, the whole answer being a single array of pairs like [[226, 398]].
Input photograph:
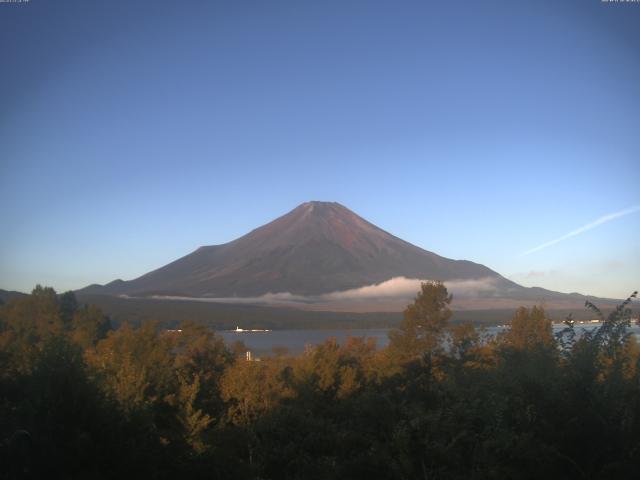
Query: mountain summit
[[317, 248]]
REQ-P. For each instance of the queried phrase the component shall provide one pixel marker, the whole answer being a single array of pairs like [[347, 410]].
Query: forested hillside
[[79, 399]]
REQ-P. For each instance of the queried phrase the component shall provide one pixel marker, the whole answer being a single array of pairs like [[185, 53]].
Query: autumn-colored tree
[[89, 325], [530, 329], [135, 366], [463, 339], [199, 351], [201, 358], [252, 388], [442, 401], [470, 347], [333, 371], [28, 322], [423, 326]]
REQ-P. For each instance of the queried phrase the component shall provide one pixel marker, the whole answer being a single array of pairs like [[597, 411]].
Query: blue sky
[[133, 132]]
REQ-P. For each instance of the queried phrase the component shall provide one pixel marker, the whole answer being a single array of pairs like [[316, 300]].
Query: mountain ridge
[[317, 248], [315, 251]]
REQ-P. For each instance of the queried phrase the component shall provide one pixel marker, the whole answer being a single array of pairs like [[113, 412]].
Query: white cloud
[[394, 287], [584, 228], [397, 287], [470, 288]]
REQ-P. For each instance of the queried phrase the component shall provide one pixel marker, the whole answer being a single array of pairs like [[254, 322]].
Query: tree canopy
[[81, 400]]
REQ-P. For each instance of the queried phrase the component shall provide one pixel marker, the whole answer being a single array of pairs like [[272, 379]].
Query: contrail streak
[[584, 228]]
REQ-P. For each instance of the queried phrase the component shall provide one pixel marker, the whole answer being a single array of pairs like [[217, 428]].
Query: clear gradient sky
[[132, 132]]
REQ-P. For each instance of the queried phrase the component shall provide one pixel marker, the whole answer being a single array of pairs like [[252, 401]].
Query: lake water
[[261, 343], [295, 340]]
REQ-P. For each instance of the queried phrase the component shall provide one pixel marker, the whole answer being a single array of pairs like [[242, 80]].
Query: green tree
[[194, 421], [68, 306]]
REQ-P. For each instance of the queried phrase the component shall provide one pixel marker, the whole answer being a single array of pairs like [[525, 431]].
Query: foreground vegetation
[[81, 400]]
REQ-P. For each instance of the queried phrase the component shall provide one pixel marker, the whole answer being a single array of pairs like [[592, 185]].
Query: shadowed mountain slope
[[321, 248], [317, 248]]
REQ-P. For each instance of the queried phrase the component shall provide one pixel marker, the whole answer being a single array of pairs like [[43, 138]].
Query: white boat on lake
[[251, 330]]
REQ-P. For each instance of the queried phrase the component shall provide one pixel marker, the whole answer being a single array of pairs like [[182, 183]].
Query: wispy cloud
[[584, 228]]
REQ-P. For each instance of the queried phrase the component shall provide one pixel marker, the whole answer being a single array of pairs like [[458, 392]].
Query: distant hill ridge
[[7, 295]]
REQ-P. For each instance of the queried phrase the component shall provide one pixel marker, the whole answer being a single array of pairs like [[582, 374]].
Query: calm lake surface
[[261, 343], [295, 340]]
